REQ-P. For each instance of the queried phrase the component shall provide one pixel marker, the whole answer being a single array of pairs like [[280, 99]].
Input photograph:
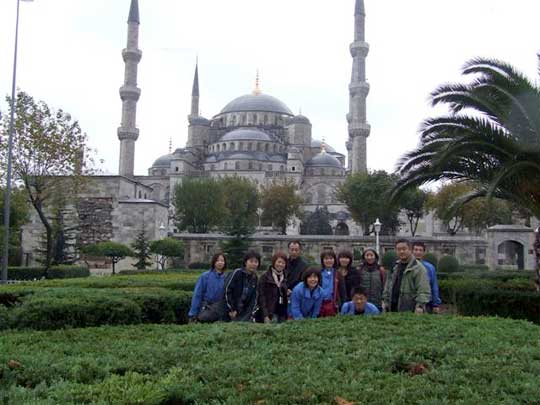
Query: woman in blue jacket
[[208, 291], [307, 297]]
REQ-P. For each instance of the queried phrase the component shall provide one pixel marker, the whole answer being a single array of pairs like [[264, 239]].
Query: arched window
[[140, 194], [265, 119], [267, 147], [250, 146], [217, 148], [250, 165], [225, 166], [231, 146], [212, 167], [260, 167], [224, 147], [269, 168], [243, 118], [255, 119], [241, 146], [237, 165], [233, 120], [275, 148], [281, 168], [258, 146]]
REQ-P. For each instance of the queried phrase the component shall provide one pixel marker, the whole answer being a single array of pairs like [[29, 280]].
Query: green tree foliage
[[281, 204], [448, 264], [199, 204], [48, 146], [477, 214], [367, 198], [141, 249], [235, 248], [241, 202], [413, 203], [491, 136], [389, 259], [113, 250], [165, 249], [19, 215], [317, 223]]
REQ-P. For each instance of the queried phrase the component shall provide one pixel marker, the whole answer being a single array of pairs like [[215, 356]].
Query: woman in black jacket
[[272, 291], [240, 294], [348, 271]]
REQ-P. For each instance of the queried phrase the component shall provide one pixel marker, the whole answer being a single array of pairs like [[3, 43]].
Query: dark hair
[[370, 250], [251, 255], [328, 253], [345, 253], [279, 255], [310, 271], [215, 259], [358, 291], [294, 242], [420, 244], [403, 240]]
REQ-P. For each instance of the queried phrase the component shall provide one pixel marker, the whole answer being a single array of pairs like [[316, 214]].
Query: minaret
[[130, 93], [195, 93], [358, 91]]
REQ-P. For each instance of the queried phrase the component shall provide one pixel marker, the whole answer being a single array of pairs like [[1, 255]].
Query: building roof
[[315, 143], [246, 155], [300, 119], [244, 134], [199, 121], [324, 159], [257, 102], [164, 161], [134, 12]]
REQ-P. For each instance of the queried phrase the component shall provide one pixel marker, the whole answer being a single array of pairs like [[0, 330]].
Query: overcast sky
[[70, 57]]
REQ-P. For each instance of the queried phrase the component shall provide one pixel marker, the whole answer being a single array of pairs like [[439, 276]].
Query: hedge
[[55, 272], [379, 360], [55, 308]]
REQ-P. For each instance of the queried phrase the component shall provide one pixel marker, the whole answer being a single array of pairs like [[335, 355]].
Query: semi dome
[[300, 119], [257, 102], [325, 160], [163, 161], [246, 135], [315, 143]]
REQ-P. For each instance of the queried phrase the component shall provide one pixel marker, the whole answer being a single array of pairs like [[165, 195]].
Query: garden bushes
[[55, 272], [448, 264]]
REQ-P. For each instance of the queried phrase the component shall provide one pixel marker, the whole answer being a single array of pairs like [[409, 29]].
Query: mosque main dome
[[257, 103]]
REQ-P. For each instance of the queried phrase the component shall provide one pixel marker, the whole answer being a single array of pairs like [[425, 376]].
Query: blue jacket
[[209, 289], [305, 303], [433, 283], [349, 309]]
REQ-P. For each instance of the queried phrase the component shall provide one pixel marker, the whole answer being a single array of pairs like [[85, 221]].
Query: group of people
[[290, 289]]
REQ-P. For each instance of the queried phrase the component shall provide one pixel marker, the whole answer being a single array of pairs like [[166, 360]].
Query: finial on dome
[[170, 145], [323, 146], [257, 90]]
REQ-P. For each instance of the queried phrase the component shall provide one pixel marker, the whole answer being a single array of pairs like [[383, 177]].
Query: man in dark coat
[[296, 265]]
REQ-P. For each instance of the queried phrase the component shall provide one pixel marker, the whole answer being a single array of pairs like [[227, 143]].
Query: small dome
[[300, 119], [315, 143], [325, 160], [199, 121], [257, 102], [246, 135], [163, 161]]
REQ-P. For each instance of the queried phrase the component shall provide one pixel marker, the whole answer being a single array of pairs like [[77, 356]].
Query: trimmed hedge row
[[55, 272], [379, 360], [55, 308]]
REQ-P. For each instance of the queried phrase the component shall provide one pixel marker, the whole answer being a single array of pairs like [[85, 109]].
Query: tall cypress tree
[[141, 247]]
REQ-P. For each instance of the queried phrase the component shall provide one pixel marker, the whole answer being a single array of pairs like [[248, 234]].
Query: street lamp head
[[377, 225]]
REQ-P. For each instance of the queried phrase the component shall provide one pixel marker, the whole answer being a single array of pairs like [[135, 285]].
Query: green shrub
[[432, 258], [25, 273], [64, 271], [237, 364], [473, 268], [389, 259], [4, 318], [448, 264], [198, 265]]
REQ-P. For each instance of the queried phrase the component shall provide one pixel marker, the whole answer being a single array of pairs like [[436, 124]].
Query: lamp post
[[7, 197], [161, 230], [377, 226]]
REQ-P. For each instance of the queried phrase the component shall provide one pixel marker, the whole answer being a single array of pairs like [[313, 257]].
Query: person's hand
[[436, 310], [233, 314], [267, 320], [419, 309]]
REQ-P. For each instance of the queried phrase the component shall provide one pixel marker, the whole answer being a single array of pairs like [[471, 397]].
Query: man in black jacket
[[295, 265]]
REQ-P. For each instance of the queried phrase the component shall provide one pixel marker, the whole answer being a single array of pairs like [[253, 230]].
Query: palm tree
[[491, 136]]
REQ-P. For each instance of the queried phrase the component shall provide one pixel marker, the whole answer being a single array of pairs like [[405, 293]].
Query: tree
[[317, 223], [413, 202], [367, 198], [241, 203], [141, 249], [491, 136], [281, 204], [165, 249], [50, 157], [199, 204], [19, 215], [476, 215], [113, 250]]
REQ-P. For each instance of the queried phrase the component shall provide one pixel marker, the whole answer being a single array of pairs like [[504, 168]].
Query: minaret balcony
[[359, 129], [359, 88], [132, 55], [128, 133], [359, 48], [131, 93]]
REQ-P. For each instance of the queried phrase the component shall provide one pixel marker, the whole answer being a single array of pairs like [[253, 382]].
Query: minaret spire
[[257, 90], [195, 92], [358, 90], [130, 93]]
